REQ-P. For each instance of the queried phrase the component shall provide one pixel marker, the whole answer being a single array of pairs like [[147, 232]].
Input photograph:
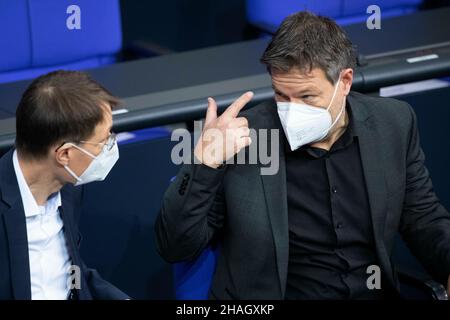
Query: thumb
[[211, 112]]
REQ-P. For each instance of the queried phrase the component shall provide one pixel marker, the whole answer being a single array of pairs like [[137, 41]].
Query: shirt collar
[[30, 205]]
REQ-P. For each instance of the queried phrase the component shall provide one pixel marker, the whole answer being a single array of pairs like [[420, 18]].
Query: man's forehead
[[296, 80], [295, 75]]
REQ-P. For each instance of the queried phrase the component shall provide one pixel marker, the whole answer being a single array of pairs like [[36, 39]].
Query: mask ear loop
[[70, 171], [331, 102], [339, 114], [334, 93], [82, 150]]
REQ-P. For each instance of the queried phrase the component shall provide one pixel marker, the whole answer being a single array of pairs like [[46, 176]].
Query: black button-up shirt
[[330, 230]]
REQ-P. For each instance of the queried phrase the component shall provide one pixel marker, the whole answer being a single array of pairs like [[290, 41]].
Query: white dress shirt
[[47, 249]]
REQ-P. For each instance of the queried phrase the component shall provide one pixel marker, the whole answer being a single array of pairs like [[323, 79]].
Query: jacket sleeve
[[425, 223], [192, 212]]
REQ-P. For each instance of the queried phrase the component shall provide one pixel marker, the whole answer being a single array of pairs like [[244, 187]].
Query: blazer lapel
[[16, 230], [66, 212], [372, 162], [276, 201], [71, 234], [18, 247]]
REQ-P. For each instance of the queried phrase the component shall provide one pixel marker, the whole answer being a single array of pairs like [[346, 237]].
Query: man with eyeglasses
[[63, 140]]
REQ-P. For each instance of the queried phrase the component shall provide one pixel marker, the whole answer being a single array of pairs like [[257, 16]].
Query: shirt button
[[339, 226], [334, 190]]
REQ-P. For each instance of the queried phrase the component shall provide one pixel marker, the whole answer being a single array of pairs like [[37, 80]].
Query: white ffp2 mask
[[304, 124], [99, 168]]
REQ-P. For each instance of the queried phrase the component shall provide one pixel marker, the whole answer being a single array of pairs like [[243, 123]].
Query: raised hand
[[224, 136]]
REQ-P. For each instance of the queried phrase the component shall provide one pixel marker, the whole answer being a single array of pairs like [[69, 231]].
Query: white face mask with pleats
[[304, 124]]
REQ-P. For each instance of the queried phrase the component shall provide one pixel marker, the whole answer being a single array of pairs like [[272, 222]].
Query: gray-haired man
[[351, 176]]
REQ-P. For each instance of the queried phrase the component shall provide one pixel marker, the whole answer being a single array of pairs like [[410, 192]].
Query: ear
[[347, 79], [62, 154]]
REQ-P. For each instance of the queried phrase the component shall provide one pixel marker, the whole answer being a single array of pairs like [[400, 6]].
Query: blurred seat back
[[193, 279], [35, 38], [268, 14]]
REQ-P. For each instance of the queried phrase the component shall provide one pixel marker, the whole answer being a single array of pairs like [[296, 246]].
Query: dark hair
[[306, 41], [57, 107]]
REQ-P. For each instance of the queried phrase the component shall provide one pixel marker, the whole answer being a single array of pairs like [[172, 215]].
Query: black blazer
[[246, 213], [14, 260]]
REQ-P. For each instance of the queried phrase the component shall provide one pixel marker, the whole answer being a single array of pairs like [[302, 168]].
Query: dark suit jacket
[[14, 260], [246, 213]]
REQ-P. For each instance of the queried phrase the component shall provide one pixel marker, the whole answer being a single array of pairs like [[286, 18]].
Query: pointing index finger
[[233, 110]]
